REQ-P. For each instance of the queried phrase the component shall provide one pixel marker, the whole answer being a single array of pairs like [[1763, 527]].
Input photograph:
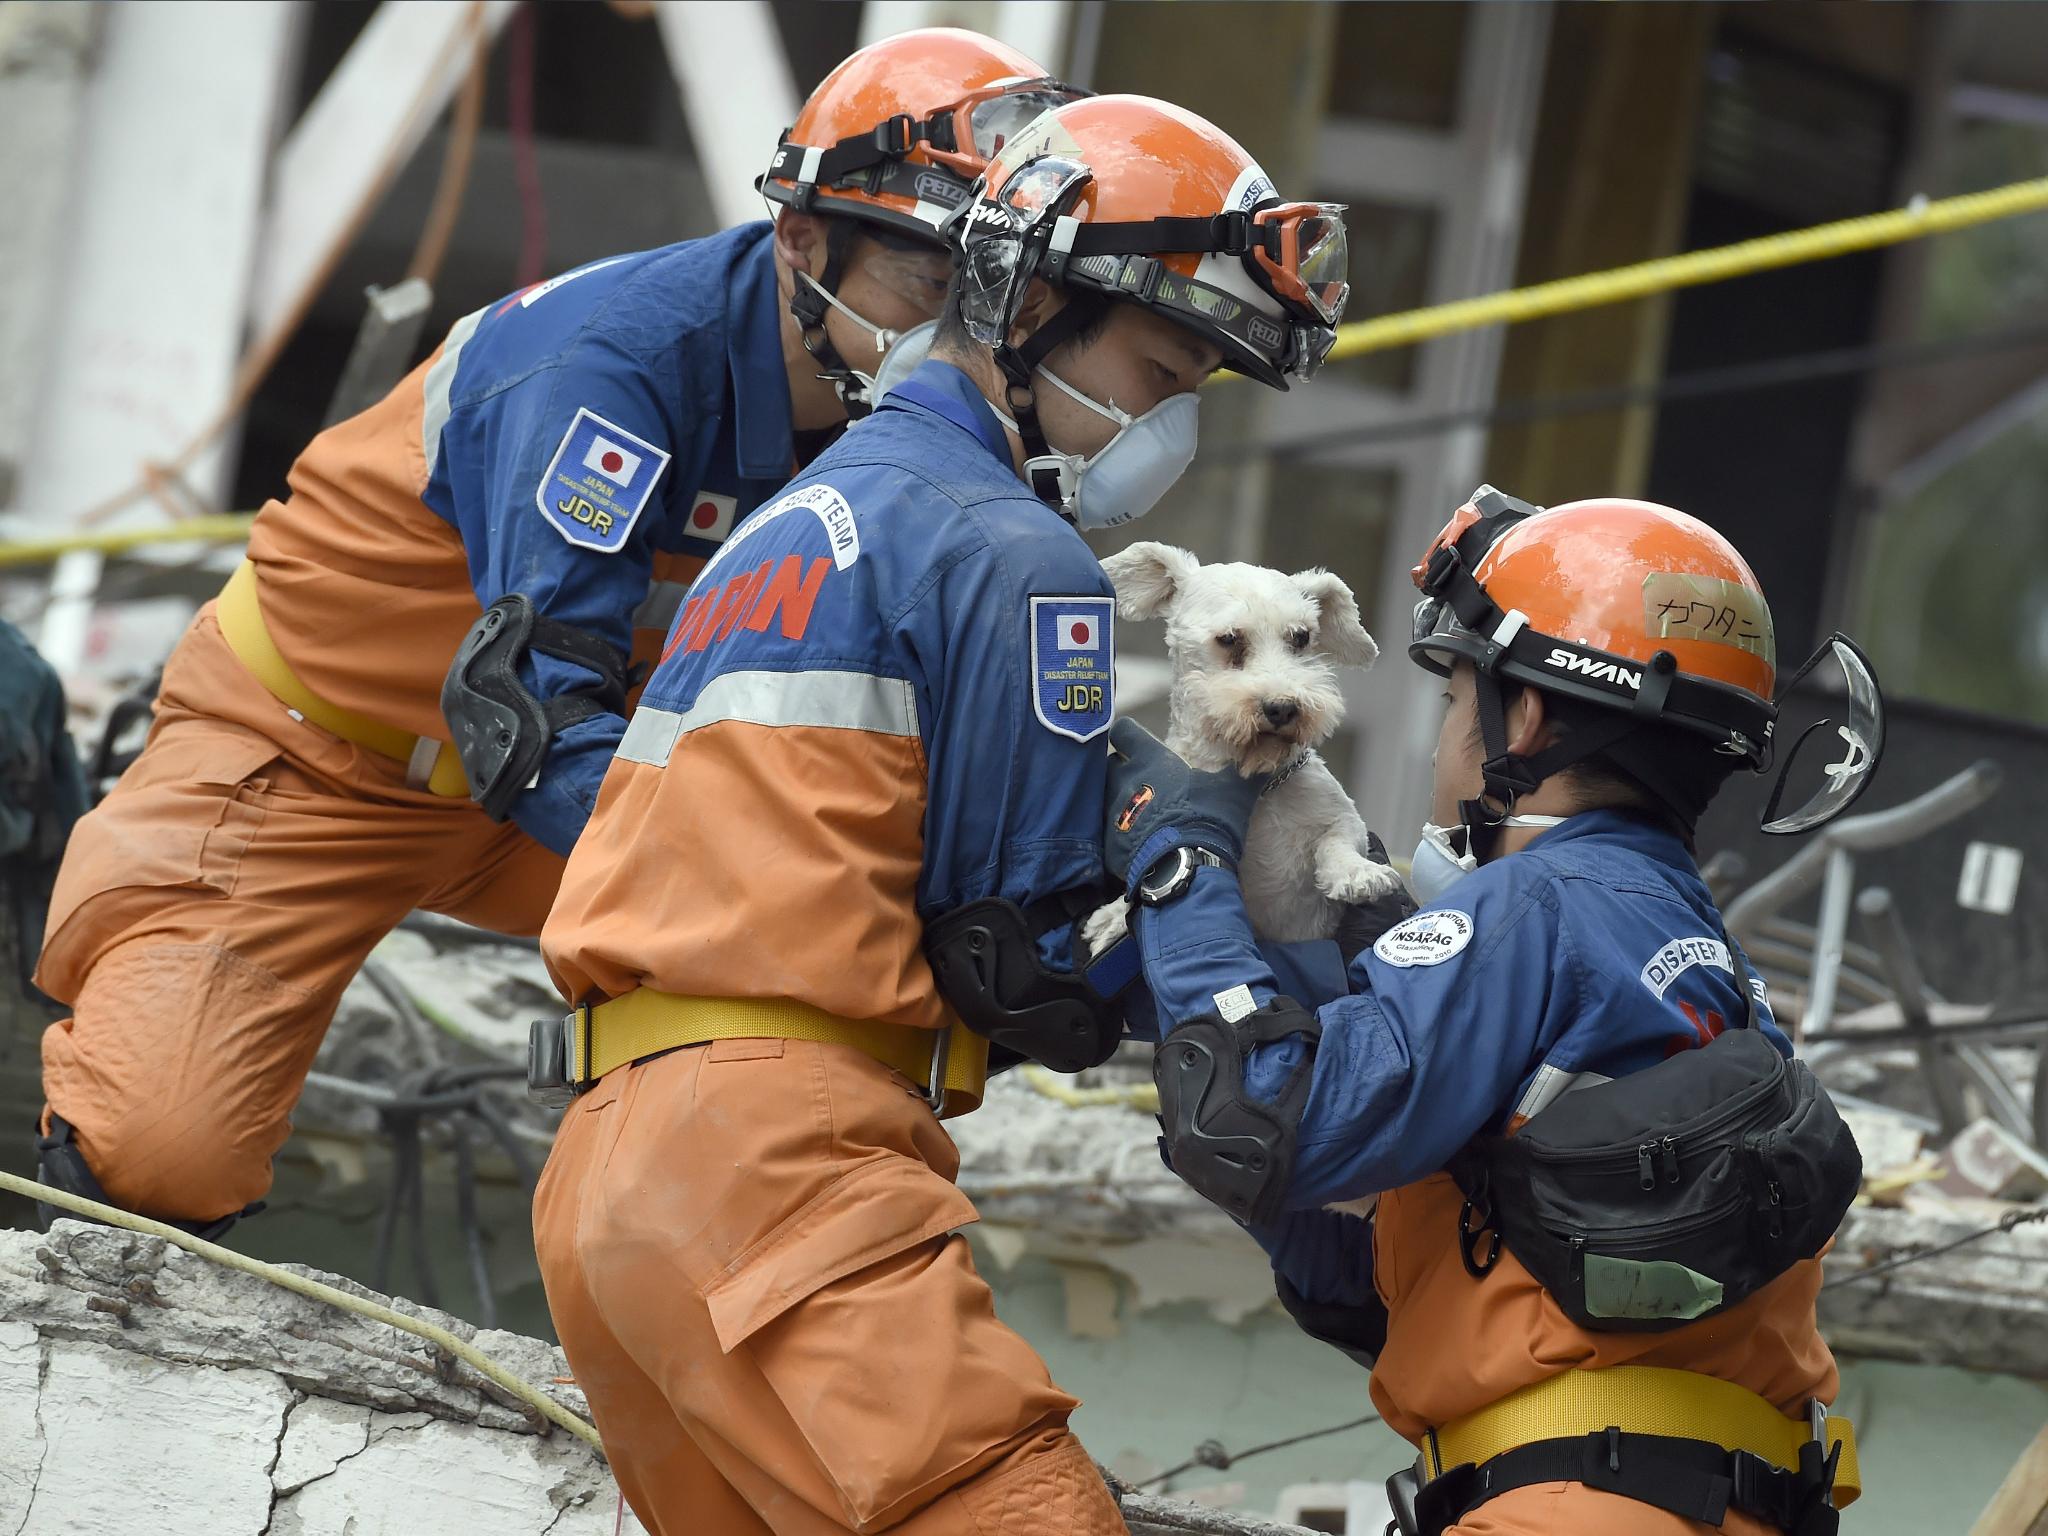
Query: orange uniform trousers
[[751, 1254], [209, 913], [1456, 1343], [1573, 1509]]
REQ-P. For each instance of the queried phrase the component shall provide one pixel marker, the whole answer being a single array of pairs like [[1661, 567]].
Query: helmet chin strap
[[809, 301], [1511, 775], [1018, 364]]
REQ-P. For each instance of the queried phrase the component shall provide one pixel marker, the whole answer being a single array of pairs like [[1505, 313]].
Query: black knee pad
[[62, 1166]]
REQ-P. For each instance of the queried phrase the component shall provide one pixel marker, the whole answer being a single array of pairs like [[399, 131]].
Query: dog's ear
[[1339, 633], [1147, 576]]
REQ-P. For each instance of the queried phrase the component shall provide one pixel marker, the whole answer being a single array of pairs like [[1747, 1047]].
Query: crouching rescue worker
[[1587, 1289], [408, 695], [840, 852]]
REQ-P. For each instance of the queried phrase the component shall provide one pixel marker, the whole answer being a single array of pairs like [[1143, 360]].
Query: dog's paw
[[1363, 1206], [1105, 926], [1344, 874]]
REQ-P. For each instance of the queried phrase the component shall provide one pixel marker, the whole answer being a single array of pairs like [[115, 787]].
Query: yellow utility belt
[[431, 764], [950, 1066], [1639, 1400]]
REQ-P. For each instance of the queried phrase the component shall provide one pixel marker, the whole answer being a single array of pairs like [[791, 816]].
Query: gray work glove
[[1157, 803]]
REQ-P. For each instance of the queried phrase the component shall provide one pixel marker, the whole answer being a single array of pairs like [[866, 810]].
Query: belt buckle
[[934, 1090], [552, 1078], [1753, 1482], [1824, 1459], [1402, 1489]]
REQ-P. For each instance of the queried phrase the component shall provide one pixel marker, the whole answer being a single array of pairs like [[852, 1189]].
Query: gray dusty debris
[[146, 1389]]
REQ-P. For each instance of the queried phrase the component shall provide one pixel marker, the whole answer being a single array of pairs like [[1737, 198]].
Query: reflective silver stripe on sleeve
[[1548, 1086], [441, 379], [659, 607], [843, 701]]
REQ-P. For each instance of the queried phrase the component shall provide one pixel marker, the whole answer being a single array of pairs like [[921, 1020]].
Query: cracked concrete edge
[[178, 1307], [33, 1481], [329, 1365], [1149, 1515], [1983, 1306]]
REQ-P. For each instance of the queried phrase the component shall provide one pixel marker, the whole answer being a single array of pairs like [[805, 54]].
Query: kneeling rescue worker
[[860, 804], [342, 738], [1587, 1288]]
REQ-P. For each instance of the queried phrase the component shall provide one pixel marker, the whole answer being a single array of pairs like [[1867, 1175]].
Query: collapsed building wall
[[145, 1388]]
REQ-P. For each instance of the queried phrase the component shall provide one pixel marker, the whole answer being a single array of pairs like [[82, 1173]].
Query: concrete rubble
[[1087, 1184], [146, 1389]]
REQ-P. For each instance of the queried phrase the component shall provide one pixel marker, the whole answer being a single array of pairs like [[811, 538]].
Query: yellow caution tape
[[221, 528], [439, 1337], [1717, 264], [1138, 1096], [1564, 296]]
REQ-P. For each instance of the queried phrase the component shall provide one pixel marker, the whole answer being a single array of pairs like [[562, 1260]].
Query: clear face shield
[[1834, 756], [1004, 243]]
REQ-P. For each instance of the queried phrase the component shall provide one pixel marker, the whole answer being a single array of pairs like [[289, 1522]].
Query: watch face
[[1169, 877]]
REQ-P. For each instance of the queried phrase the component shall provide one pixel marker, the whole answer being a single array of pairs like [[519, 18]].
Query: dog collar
[[1288, 772]]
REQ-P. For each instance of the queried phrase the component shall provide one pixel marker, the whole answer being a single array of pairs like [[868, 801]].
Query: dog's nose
[[1281, 713]]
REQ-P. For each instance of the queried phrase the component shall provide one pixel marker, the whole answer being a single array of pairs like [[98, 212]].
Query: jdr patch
[[1073, 664], [598, 482]]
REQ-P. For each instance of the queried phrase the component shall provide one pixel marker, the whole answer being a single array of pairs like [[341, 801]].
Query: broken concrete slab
[[146, 1388], [1982, 1305]]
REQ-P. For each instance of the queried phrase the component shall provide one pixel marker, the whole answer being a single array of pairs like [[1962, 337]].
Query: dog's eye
[[1230, 640], [1298, 639]]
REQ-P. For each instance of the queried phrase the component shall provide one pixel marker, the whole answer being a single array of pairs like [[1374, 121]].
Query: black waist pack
[[1668, 1195]]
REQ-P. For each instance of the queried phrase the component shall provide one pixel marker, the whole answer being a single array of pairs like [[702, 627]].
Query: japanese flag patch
[[1073, 664], [711, 516], [598, 482]]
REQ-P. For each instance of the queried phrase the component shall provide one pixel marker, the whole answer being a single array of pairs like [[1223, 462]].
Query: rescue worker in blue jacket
[[1607, 665], [408, 695], [838, 857]]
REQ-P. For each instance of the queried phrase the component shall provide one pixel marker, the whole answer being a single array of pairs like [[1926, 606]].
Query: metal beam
[[168, 165], [1481, 226], [1035, 27], [45, 57], [355, 136], [737, 91]]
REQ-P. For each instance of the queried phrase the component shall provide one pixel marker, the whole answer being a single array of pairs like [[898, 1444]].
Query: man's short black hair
[[1685, 762]]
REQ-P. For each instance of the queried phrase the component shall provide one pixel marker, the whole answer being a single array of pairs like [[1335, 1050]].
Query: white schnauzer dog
[[1255, 654]]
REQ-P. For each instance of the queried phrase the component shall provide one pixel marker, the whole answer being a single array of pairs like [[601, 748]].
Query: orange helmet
[[1143, 201], [896, 135], [1641, 610]]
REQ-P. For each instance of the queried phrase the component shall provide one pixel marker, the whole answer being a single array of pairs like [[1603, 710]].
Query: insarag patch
[[598, 482], [1073, 664], [1427, 938]]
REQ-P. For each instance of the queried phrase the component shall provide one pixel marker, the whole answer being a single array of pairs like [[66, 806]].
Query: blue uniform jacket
[[1595, 950], [584, 432], [902, 666]]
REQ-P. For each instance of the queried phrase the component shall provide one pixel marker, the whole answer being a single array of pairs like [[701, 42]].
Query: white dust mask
[[1438, 865], [1126, 476], [904, 359]]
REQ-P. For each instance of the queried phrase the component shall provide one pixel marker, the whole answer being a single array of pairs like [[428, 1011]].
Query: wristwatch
[[1174, 873]]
